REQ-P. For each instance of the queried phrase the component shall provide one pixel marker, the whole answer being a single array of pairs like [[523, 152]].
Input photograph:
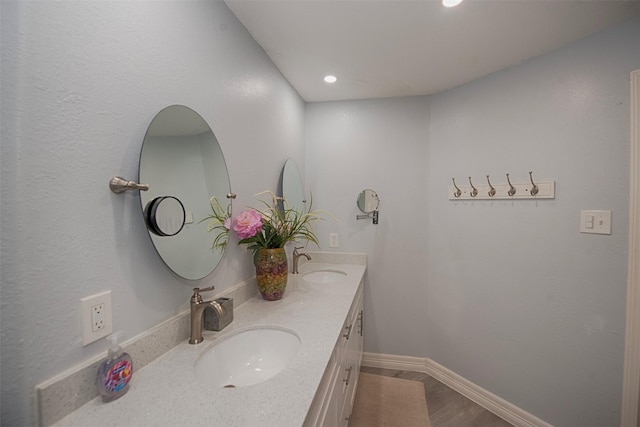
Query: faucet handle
[[196, 293]]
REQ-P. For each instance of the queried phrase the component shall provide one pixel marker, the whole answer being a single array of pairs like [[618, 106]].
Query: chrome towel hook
[[458, 192], [512, 189], [492, 191], [474, 191], [534, 187]]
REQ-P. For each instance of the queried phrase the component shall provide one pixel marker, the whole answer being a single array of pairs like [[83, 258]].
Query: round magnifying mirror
[[368, 201], [184, 166], [165, 216], [291, 186]]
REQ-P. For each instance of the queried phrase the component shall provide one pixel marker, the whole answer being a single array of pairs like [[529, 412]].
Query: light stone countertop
[[166, 392]]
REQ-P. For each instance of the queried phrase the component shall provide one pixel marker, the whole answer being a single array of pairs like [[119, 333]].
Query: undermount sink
[[324, 276], [247, 357]]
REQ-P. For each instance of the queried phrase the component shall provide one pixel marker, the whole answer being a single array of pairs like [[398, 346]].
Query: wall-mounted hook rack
[[526, 190]]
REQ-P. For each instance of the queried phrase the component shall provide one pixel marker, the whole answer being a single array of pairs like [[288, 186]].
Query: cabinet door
[[359, 335], [352, 357], [343, 410], [321, 414], [333, 403]]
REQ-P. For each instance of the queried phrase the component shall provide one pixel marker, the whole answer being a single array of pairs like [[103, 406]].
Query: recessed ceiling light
[[330, 78], [451, 3]]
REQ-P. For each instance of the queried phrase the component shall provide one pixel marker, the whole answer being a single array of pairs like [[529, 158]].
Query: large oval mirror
[[183, 164], [291, 186]]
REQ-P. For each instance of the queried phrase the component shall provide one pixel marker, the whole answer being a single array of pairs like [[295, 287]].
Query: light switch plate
[[595, 222]]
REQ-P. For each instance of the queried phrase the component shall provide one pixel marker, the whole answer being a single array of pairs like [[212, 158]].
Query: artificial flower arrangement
[[270, 228], [274, 226]]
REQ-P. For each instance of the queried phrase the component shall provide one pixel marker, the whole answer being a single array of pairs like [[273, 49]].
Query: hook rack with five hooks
[[491, 191]]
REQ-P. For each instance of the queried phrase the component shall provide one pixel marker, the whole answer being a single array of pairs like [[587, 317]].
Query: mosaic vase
[[271, 273]]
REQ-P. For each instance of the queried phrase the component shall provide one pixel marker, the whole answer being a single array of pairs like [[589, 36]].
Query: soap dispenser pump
[[115, 372]]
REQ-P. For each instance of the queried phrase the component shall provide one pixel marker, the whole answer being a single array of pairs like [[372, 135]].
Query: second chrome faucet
[[296, 258]]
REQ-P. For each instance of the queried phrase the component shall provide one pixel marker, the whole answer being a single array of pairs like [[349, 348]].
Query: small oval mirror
[[291, 186], [368, 201]]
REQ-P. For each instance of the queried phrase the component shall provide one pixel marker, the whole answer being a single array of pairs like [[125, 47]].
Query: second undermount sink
[[247, 357], [324, 276]]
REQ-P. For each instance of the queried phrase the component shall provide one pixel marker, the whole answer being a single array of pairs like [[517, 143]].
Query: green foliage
[[284, 224], [219, 222]]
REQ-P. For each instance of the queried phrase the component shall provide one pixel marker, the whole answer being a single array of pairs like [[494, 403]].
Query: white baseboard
[[505, 410]]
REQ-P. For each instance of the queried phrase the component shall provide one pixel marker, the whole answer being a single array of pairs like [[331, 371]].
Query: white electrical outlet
[[96, 317], [334, 240]]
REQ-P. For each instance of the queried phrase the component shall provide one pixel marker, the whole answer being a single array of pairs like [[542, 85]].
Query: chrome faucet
[[198, 307], [296, 258]]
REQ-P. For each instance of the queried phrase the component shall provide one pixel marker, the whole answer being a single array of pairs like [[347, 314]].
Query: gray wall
[[81, 81], [507, 294], [383, 145]]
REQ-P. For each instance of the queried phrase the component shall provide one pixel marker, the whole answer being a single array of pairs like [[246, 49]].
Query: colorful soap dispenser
[[115, 372]]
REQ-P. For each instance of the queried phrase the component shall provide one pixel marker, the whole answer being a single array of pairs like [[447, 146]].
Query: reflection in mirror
[[291, 186], [165, 216], [182, 161], [368, 201]]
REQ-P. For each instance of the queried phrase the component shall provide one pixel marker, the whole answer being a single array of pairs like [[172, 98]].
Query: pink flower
[[248, 224], [227, 223]]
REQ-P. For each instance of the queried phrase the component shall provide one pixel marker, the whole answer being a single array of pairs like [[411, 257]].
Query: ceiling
[[385, 48]]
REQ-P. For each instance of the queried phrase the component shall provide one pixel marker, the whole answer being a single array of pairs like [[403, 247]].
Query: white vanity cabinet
[[333, 403]]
